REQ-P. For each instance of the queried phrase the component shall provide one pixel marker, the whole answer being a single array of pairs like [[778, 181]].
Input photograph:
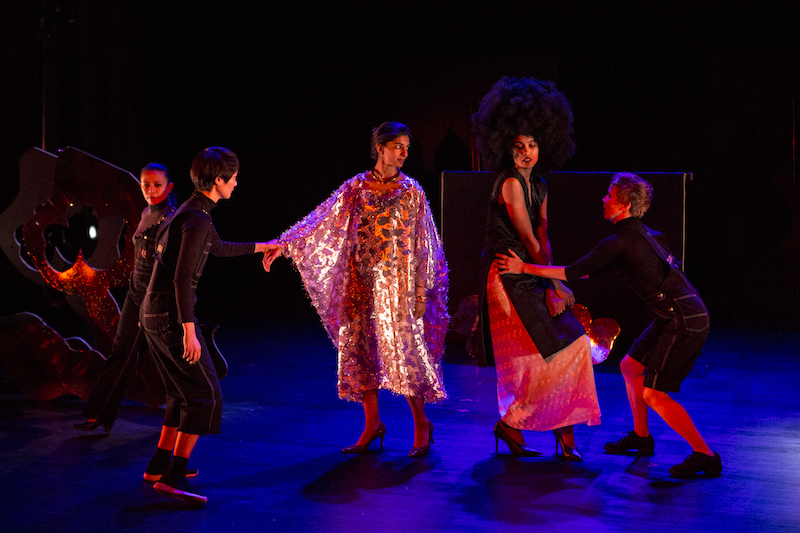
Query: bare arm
[[535, 240], [541, 233], [514, 198]]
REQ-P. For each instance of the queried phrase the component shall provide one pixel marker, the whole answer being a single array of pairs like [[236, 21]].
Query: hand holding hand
[[564, 293], [272, 250], [555, 303]]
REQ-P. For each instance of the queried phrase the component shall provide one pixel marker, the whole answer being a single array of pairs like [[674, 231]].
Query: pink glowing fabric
[[360, 254], [534, 394]]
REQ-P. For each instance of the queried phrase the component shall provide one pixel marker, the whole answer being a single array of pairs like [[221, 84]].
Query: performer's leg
[[422, 431], [633, 373], [166, 441], [372, 419], [567, 436], [184, 444], [373, 427], [194, 397], [161, 458], [677, 418], [173, 482], [118, 369], [194, 402], [169, 429]]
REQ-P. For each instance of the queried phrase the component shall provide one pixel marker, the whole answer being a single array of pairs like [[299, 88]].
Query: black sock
[[162, 455], [160, 461], [178, 465]]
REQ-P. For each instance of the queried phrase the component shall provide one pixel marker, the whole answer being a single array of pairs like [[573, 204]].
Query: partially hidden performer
[[103, 403]]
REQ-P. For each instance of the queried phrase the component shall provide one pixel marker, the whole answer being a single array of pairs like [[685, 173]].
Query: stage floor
[[278, 465]]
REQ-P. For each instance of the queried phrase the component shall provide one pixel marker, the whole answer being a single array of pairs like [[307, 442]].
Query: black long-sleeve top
[[630, 254], [183, 247]]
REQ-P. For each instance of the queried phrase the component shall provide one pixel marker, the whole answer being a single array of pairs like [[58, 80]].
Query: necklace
[[375, 175]]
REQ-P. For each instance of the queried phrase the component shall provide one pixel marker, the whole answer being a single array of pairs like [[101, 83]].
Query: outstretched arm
[[512, 264]]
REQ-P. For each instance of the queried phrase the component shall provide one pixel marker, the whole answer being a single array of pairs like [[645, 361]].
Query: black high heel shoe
[[419, 451], [516, 449], [91, 425], [567, 452], [361, 448]]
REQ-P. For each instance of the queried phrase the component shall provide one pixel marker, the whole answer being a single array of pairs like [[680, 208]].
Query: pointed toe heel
[[419, 451], [516, 449], [380, 433], [567, 452]]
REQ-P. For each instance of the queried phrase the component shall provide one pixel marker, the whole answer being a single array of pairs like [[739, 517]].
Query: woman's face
[[395, 152], [525, 152], [613, 209], [155, 186]]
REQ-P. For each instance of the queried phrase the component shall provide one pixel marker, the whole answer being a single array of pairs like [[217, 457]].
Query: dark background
[[295, 89]]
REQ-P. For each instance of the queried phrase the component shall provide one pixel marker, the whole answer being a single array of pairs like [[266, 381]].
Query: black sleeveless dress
[[527, 293], [545, 378]]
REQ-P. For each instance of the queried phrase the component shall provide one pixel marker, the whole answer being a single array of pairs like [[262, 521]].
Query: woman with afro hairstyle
[[373, 265], [545, 379]]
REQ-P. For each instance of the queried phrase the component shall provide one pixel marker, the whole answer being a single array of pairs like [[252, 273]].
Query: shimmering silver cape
[[360, 254]]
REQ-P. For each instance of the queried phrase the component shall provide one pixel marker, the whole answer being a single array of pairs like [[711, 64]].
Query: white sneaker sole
[[188, 497]]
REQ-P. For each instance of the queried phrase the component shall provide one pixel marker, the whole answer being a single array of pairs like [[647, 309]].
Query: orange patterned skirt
[[534, 394]]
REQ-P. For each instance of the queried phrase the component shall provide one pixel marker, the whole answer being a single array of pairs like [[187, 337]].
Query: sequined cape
[[360, 254]]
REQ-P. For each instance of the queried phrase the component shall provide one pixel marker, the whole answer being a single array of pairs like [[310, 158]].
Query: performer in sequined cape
[[373, 265], [545, 379]]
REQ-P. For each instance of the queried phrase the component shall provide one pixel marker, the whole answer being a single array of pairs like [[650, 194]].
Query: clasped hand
[[272, 250]]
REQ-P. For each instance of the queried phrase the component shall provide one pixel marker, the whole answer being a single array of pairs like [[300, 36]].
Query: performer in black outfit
[[104, 400], [665, 352], [194, 398]]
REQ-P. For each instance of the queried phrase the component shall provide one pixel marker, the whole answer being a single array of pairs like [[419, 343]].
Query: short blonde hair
[[631, 189]]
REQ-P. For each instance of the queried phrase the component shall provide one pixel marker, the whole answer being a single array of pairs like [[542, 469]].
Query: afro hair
[[524, 106]]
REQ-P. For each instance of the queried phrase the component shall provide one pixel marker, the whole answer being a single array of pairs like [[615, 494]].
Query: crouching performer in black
[[665, 352], [194, 398]]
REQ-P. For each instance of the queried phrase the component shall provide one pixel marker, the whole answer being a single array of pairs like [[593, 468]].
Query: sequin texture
[[360, 254]]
